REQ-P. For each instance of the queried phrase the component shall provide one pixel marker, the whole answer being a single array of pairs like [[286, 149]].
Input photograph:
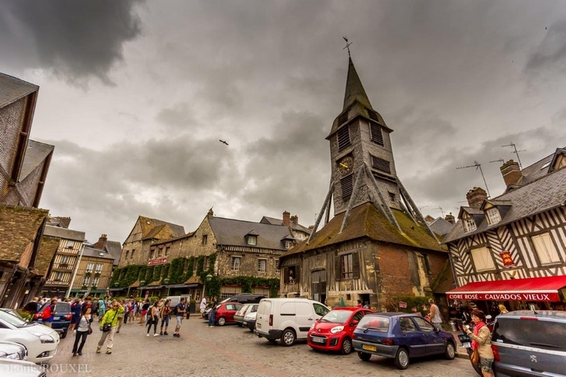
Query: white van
[[288, 319]]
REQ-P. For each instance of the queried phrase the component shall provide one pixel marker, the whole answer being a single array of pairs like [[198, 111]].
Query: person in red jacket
[[49, 313]]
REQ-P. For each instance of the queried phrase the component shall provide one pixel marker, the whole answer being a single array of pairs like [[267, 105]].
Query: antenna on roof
[[441, 210], [477, 165], [347, 46], [500, 160], [515, 151]]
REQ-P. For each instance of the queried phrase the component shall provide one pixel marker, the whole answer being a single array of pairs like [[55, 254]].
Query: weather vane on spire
[[347, 46]]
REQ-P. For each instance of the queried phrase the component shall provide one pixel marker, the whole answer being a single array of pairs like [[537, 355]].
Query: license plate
[[369, 348], [317, 340], [56, 318], [466, 345], [244, 323]]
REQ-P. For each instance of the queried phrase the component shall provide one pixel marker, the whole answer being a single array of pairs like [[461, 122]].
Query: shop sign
[[507, 259], [402, 304], [155, 261], [549, 297]]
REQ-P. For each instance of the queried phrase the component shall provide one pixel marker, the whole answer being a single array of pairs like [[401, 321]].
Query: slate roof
[[64, 233], [440, 226], [115, 249], [36, 153], [12, 89], [18, 227], [366, 221], [538, 196], [232, 232], [92, 252], [275, 221], [151, 227]]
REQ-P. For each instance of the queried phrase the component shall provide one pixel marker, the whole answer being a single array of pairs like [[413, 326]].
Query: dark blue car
[[401, 336], [62, 316]]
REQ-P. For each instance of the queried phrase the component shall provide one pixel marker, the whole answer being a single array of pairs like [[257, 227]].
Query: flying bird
[[222, 141]]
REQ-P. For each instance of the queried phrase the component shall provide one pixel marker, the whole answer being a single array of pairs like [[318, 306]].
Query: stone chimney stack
[[476, 197], [511, 173], [450, 218], [295, 220], [286, 218], [101, 244]]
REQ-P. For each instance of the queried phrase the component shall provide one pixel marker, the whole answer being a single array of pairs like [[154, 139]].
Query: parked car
[[62, 317], [239, 316], [20, 368], [244, 298], [528, 343], [401, 336], [249, 318], [333, 332], [225, 313], [12, 312], [287, 319], [40, 341], [13, 351]]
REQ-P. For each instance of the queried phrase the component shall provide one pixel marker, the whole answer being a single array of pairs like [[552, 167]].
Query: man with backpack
[[179, 311]]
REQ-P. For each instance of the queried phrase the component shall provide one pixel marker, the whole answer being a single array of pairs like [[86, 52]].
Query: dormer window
[[493, 216], [251, 239], [469, 223]]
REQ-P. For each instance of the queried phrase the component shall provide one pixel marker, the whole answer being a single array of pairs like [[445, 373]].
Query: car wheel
[[288, 337], [64, 334], [364, 356], [346, 346], [402, 359], [221, 321], [449, 352]]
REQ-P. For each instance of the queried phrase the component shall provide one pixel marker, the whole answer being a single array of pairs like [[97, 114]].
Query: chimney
[[101, 244], [286, 219], [295, 220], [450, 218], [511, 173], [476, 197]]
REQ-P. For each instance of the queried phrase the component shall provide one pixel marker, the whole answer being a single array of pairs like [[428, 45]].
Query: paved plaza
[[227, 351]]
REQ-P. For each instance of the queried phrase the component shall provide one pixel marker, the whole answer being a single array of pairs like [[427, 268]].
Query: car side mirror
[[354, 322]]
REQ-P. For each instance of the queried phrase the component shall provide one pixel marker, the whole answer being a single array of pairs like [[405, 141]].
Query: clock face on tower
[[345, 165]]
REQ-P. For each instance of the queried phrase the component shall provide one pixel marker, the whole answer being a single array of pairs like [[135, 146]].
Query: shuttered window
[[347, 184], [347, 266], [381, 164], [343, 138], [545, 249], [376, 135], [482, 259]]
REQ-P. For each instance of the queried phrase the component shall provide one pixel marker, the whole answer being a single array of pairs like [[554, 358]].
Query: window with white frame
[[469, 224], [89, 267], [59, 276], [482, 259], [252, 240], [86, 280], [347, 266], [98, 268], [545, 249], [493, 216], [70, 244], [262, 265], [236, 261], [95, 281]]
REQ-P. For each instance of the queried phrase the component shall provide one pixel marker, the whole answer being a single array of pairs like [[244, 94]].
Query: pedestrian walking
[[202, 306], [101, 308], [76, 309], [153, 318], [165, 311], [435, 317], [83, 330], [121, 317], [180, 310], [144, 309], [481, 341], [212, 313], [108, 327]]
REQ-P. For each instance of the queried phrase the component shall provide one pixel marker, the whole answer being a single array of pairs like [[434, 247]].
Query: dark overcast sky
[[135, 95]]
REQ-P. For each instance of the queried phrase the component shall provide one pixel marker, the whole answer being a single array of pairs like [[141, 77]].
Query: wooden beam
[[352, 200], [385, 207], [415, 209], [321, 213]]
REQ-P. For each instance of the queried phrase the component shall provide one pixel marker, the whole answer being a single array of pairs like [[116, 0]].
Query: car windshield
[[62, 307], [375, 323], [336, 316], [544, 334], [11, 319]]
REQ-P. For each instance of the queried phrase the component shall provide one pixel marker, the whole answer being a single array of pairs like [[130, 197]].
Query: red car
[[225, 313], [333, 332]]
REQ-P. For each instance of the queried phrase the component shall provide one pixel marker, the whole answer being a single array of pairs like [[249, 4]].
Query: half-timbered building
[[512, 249], [377, 246]]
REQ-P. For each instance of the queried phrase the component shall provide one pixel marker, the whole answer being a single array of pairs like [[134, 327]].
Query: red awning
[[530, 289]]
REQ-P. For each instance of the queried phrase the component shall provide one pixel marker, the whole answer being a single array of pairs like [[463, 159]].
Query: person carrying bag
[[108, 326], [83, 331]]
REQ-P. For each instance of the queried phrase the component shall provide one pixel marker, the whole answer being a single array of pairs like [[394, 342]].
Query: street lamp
[[208, 278]]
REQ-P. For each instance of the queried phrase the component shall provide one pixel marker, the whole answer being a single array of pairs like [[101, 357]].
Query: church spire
[[355, 89]]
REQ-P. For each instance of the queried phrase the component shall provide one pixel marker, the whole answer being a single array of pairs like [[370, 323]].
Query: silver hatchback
[[528, 343]]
